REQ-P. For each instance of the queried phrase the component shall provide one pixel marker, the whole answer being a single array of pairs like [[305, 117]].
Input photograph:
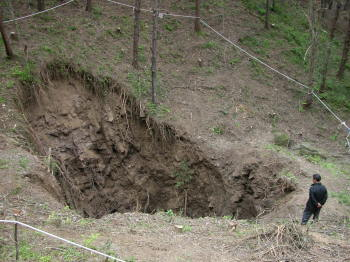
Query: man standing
[[317, 198]]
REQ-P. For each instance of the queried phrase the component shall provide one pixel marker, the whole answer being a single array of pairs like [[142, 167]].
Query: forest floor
[[228, 104]]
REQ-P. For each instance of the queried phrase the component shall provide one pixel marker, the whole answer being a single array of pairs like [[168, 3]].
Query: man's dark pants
[[308, 212]]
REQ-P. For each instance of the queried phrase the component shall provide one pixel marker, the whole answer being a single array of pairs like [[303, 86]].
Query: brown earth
[[114, 160], [234, 98]]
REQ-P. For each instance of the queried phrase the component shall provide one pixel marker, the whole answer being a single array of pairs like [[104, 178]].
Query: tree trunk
[[88, 5], [137, 11], [197, 25], [274, 5], [328, 53], [313, 52], [344, 58], [347, 5], [154, 50], [41, 5], [5, 39], [267, 14]]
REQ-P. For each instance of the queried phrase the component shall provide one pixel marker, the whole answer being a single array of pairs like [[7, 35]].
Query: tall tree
[[313, 27], [154, 49], [41, 5], [267, 15], [197, 25], [328, 52], [5, 39], [88, 5], [137, 11], [345, 54]]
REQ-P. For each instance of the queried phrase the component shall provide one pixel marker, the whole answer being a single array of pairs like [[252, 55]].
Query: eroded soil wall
[[111, 159]]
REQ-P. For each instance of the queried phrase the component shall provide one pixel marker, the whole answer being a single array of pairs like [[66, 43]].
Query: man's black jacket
[[317, 194]]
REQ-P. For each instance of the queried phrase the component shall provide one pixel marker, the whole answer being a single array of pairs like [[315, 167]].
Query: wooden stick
[[197, 24], [137, 12], [154, 49], [185, 209], [16, 239]]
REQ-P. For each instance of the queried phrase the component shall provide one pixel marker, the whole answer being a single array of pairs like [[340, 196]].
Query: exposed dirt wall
[[111, 159]]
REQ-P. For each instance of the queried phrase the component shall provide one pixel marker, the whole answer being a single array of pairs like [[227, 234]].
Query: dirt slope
[[228, 108]]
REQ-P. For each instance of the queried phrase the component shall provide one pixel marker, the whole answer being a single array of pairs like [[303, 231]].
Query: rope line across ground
[[162, 14], [38, 13], [61, 239]]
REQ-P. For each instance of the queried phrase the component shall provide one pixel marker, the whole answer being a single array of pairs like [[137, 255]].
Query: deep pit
[[112, 158]]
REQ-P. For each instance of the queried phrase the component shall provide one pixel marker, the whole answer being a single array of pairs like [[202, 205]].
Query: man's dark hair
[[317, 177]]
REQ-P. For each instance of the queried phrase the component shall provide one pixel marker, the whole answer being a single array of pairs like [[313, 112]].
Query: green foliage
[[48, 49], [342, 196], [4, 164], [183, 175], [210, 45], [16, 190], [25, 74], [157, 109], [89, 241], [186, 228], [218, 130], [23, 162], [140, 84], [281, 139], [141, 54], [120, 55], [292, 32], [26, 253], [289, 175], [97, 11], [10, 84], [234, 61], [260, 45], [172, 25], [71, 255], [170, 213]]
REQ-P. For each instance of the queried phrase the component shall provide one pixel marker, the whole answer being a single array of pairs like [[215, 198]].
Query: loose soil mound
[[109, 158]]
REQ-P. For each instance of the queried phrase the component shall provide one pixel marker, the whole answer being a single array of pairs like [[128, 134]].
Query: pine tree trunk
[[267, 15], [328, 53], [154, 50], [5, 39], [137, 11], [41, 5], [344, 58], [313, 52], [197, 25], [88, 5]]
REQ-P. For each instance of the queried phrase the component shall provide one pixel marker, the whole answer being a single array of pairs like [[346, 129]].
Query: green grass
[[291, 32], [343, 197], [210, 45], [4, 164], [23, 162], [217, 130]]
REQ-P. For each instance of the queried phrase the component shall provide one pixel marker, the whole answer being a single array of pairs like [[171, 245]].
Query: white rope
[[184, 16], [280, 73], [130, 6], [161, 14], [253, 57], [60, 238], [44, 11]]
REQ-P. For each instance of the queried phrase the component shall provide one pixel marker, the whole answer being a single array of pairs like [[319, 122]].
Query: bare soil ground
[[143, 237], [226, 112]]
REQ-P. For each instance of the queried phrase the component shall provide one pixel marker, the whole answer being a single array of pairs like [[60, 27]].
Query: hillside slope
[[225, 113]]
